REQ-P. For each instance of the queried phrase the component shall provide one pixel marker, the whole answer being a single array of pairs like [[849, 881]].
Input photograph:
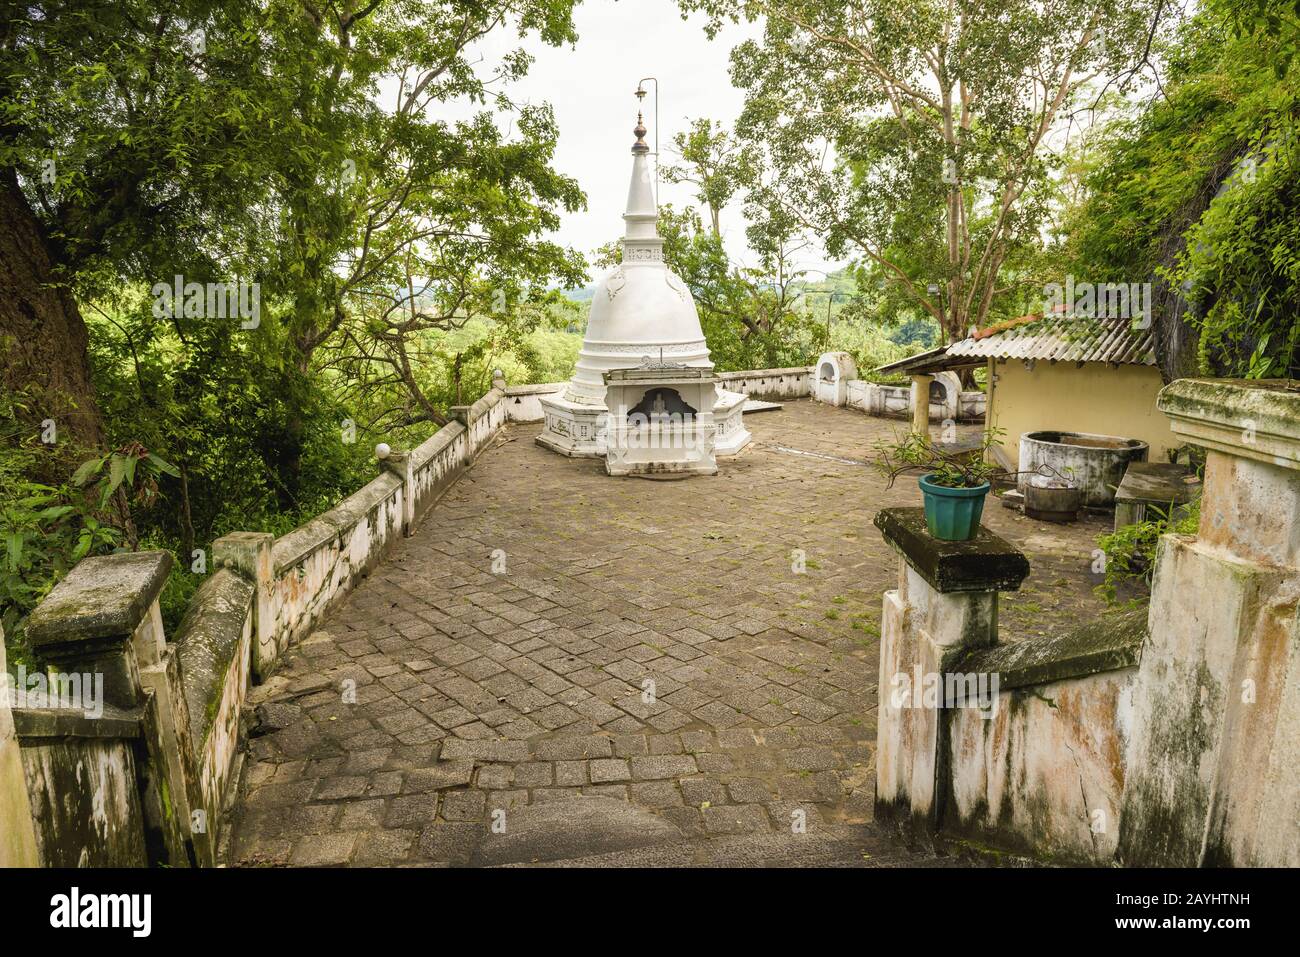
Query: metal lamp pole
[[640, 95]]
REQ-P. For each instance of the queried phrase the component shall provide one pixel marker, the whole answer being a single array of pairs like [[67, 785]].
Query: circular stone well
[[1094, 463]]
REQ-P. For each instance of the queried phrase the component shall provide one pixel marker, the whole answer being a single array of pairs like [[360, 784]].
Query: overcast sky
[[591, 87]]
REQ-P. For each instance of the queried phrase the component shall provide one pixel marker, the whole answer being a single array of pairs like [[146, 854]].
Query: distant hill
[[585, 294]]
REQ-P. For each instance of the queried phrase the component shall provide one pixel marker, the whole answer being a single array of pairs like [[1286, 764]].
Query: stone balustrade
[[1016, 746], [147, 776]]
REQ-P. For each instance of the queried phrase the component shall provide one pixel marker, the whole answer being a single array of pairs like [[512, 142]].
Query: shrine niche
[[660, 404], [661, 420]]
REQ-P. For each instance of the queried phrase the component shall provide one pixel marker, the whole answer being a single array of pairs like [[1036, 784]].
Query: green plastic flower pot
[[953, 514]]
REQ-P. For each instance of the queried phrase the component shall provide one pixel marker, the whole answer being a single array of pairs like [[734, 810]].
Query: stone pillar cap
[[985, 563], [106, 596], [1249, 418]]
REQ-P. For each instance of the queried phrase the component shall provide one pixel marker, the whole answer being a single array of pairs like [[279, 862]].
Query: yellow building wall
[[1094, 397]]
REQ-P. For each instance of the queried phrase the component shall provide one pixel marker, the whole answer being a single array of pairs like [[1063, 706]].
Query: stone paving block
[[700, 791], [735, 819], [810, 759], [363, 815], [413, 810], [606, 770], [485, 750], [819, 786], [322, 850], [714, 763], [534, 774], [663, 766], [574, 748], [657, 794], [494, 777], [749, 791], [383, 848], [687, 819], [464, 805], [664, 744], [444, 774], [450, 842], [695, 741], [332, 789], [505, 801], [311, 818], [571, 773]]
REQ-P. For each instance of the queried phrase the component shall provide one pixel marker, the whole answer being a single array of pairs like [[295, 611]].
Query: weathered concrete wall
[[85, 800], [834, 372], [1020, 746], [772, 384], [945, 603], [1042, 773], [1215, 758], [17, 836], [523, 402], [895, 402], [214, 645], [94, 759], [317, 563]]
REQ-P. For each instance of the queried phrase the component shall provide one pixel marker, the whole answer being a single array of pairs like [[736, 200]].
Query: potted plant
[[953, 482]]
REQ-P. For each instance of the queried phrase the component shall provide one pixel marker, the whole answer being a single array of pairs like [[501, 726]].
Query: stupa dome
[[642, 318], [642, 308]]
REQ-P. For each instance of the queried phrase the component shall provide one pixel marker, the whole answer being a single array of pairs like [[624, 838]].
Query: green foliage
[[1197, 192], [400, 256], [1241, 268], [44, 531], [915, 135], [132, 468], [916, 454], [1131, 550]]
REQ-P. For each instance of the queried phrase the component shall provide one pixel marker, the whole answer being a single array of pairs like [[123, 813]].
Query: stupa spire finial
[[640, 145]]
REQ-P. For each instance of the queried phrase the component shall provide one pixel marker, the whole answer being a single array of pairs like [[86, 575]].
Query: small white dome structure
[[641, 310]]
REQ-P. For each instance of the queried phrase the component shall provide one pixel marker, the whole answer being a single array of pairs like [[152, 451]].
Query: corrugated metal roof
[[1063, 339]]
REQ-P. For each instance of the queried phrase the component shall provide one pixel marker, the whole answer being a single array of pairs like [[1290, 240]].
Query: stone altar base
[[578, 431], [661, 421], [573, 429], [729, 418]]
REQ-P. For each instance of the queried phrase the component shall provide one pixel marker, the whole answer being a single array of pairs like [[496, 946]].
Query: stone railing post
[[249, 554], [103, 623], [17, 829], [946, 602], [403, 466], [1213, 763]]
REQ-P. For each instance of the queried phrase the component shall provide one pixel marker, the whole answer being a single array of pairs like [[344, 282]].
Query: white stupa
[[642, 311]]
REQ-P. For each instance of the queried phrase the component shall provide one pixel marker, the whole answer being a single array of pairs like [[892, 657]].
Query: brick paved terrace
[[621, 687]]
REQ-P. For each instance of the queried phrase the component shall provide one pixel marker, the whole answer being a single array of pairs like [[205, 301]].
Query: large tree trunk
[[43, 338]]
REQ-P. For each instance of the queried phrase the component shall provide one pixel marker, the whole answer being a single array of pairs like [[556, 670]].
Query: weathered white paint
[[1214, 762], [1044, 773], [834, 372], [17, 836], [523, 402], [794, 382], [653, 442]]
